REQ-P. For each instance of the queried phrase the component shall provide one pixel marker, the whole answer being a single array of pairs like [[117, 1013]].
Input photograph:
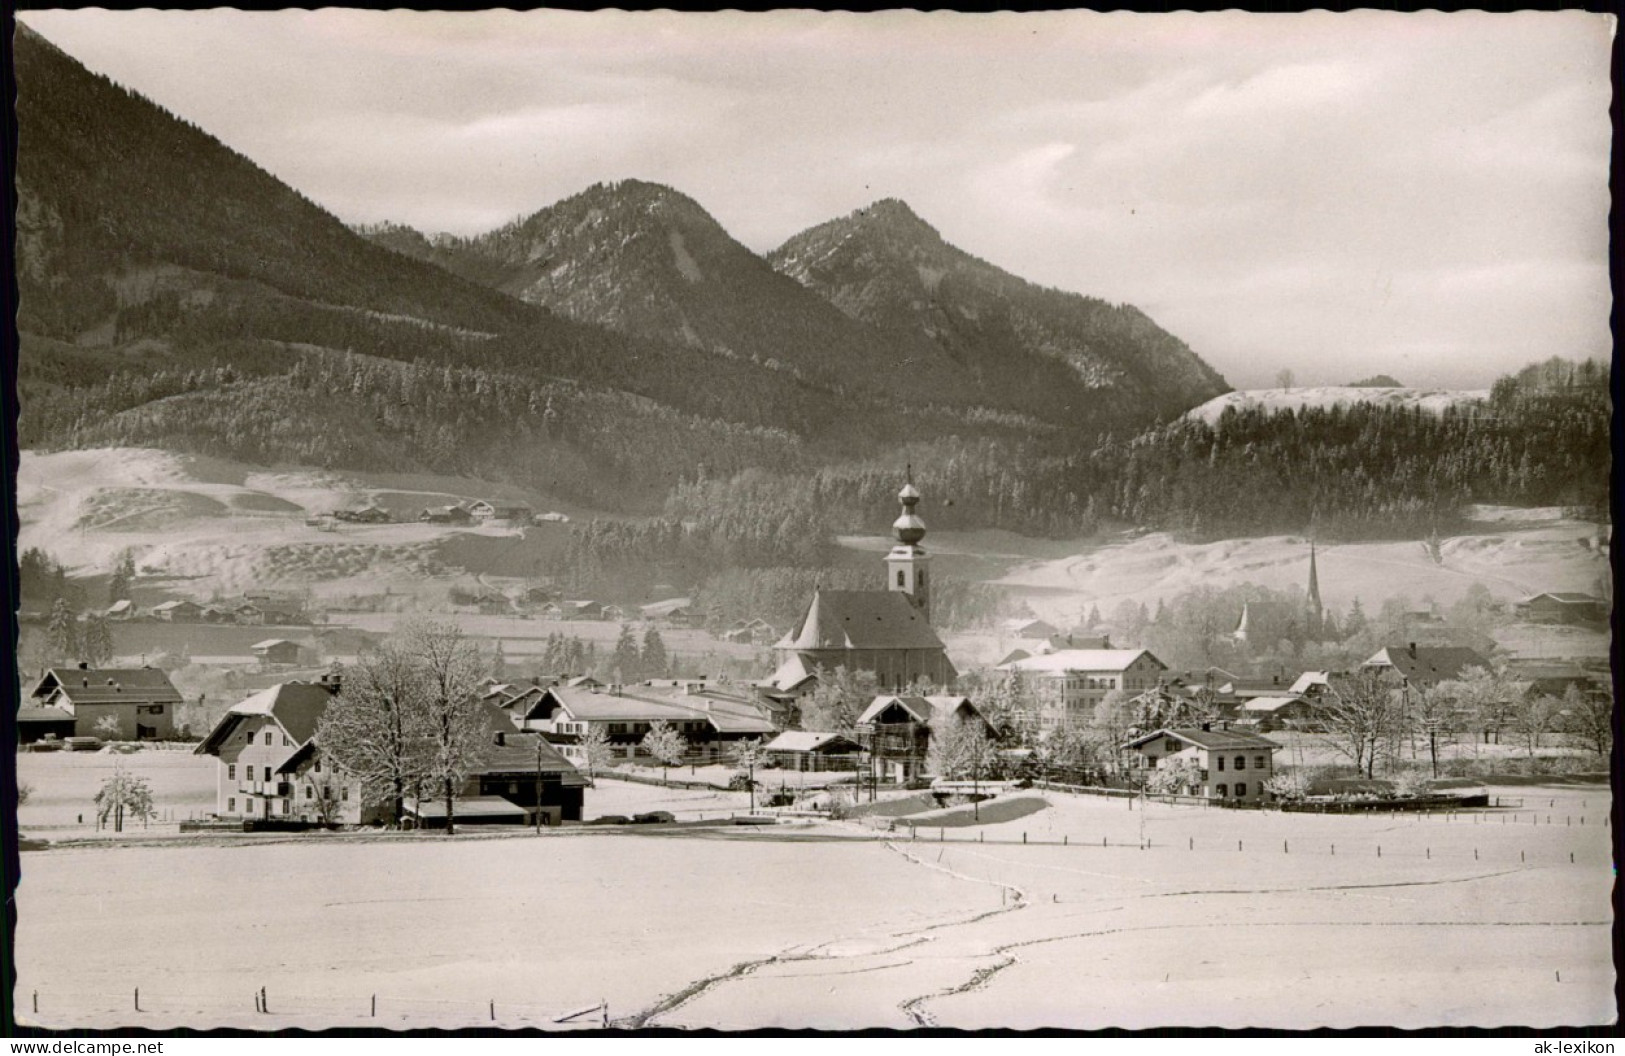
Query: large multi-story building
[[1068, 684]]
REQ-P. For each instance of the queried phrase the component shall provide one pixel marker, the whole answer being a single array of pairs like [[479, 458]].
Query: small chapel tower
[[906, 570]]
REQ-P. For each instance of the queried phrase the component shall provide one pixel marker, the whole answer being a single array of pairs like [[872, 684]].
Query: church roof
[[861, 619]]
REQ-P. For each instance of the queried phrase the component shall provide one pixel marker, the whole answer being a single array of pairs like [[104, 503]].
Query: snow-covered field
[[1189, 916], [1434, 400]]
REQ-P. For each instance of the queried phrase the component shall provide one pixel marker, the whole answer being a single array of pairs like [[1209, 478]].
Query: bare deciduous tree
[[1588, 719], [460, 729], [1361, 712], [376, 728]]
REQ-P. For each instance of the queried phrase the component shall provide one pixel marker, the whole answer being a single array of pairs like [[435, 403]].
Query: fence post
[[138, 999], [265, 1005], [1379, 850], [1063, 839], [493, 1010], [1430, 854], [374, 1006], [1284, 849], [1024, 837], [36, 1002]]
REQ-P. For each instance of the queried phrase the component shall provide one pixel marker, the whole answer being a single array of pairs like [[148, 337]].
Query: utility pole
[[538, 782]]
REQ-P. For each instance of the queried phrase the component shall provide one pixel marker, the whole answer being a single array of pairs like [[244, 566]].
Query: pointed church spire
[[1317, 612]]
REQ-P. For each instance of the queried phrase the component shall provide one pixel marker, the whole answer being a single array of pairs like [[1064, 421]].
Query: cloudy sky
[[1423, 195]]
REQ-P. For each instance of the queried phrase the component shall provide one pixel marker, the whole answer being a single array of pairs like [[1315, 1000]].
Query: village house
[[803, 751], [1289, 712], [1027, 627], [755, 631], [363, 515], [573, 610], [120, 704], [268, 766], [897, 730], [1415, 667], [709, 719], [275, 651], [673, 612], [180, 611], [1563, 607], [1075, 681], [1228, 765], [520, 779], [123, 609], [275, 606], [455, 513]]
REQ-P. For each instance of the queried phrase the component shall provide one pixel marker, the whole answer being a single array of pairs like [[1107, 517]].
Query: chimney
[[502, 738], [1207, 727], [1275, 680], [83, 666], [1413, 650]]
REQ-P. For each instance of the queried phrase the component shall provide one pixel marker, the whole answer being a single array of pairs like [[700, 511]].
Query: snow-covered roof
[[808, 741], [1270, 704], [1064, 660]]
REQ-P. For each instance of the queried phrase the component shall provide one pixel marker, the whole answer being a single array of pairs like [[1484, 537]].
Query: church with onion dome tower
[[887, 632]]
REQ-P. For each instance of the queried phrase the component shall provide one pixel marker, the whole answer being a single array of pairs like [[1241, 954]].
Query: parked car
[[655, 817]]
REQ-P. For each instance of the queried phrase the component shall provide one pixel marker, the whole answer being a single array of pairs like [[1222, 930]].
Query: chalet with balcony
[[897, 730]]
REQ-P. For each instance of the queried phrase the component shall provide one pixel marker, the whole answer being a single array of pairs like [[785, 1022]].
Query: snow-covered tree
[[666, 745], [596, 751], [124, 795], [460, 729], [376, 729]]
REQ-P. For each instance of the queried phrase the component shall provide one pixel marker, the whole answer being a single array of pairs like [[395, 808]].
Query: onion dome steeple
[[909, 528], [906, 564]]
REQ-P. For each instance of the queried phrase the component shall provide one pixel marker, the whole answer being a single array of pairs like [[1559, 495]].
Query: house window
[[1241, 762], [267, 737], [267, 773], [1260, 761], [285, 742], [316, 765], [284, 806], [231, 771], [1220, 760], [1241, 788], [900, 577], [231, 805], [1223, 791], [345, 793], [250, 736], [310, 793]]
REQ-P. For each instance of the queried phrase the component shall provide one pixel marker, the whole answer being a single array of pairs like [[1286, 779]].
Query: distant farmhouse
[[1563, 608], [79, 702]]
